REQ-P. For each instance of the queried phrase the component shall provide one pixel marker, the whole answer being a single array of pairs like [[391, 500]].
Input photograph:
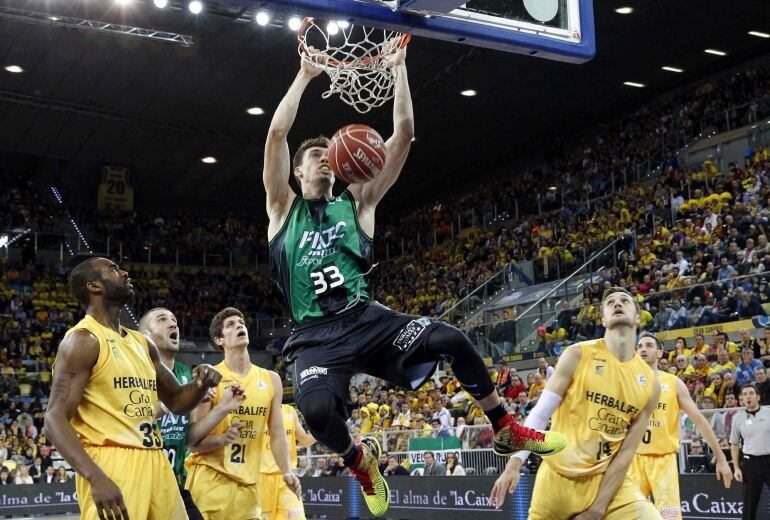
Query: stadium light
[[209, 160], [294, 23], [343, 24], [468, 93], [123, 2], [195, 7], [332, 28], [624, 10], [255, 111], [715, 52], [160, 4], [634, 84], [14, 69], [672, 69], [262, 18], [759, 34]]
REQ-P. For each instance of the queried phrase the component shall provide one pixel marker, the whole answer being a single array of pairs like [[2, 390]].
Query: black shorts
[[370, 338], [192, 510]]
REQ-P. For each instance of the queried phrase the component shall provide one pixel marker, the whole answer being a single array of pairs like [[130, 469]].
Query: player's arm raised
[[701, 424], [181, 399], [279, 443], [538, 418], [304, 437], [77, 354], [620, 463], [397, 147], [277, 166]]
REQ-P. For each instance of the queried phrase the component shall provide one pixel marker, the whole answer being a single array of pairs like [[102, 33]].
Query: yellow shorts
[[145, 479], [278, 501], [557, 497], [221, 498], [658, 475]]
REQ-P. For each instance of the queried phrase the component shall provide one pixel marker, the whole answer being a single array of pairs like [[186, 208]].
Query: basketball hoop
[[355, 59]]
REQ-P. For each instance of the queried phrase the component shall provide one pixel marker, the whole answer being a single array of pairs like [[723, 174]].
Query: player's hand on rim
[[396, 56], [292, 481], [206, 376], [313, 62], [108, 499], [505, 483]]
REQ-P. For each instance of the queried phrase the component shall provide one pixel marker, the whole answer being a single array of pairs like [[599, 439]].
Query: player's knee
[[450, 340], [317, 407]]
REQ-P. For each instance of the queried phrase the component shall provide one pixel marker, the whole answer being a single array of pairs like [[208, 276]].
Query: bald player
[[654, 469], [107, 381]]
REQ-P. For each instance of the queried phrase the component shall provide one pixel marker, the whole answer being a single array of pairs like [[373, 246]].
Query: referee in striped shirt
[[751, 427]]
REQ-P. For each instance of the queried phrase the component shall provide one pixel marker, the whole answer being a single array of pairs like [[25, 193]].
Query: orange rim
[[403, 42]]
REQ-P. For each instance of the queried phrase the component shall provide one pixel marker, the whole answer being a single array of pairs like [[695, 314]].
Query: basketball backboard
[[553, 29]]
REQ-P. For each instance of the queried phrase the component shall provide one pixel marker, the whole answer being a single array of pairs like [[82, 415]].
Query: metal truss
[[69, 22]]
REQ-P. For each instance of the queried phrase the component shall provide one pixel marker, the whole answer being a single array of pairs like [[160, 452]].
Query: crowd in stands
[[694, 253]]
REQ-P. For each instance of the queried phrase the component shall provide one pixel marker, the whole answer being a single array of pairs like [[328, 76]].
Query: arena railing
[[484, 337]]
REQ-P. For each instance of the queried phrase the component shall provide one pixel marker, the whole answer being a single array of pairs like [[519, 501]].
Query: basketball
[[356, 154]]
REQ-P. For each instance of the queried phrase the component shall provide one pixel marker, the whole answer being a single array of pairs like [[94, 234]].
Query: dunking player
[[654, 469], [160, 324], [278, 501], [223, 469], [320, 252], [601, 396], [107, 380]]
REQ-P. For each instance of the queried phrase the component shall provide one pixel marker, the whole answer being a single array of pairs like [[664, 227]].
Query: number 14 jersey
[[603, 400], [320, 256]]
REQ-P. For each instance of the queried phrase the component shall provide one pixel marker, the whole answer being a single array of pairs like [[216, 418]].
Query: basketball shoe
[[513, 437], [367, 472]]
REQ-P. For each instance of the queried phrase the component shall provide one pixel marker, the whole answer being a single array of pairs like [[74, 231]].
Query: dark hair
[[299, 155], [215, 329], [750, 385], [655, 338], [80, 275], [144, 320], [684, 341]]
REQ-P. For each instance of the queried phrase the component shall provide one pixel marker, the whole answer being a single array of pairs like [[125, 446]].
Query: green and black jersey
[[320, 257], [174, 428]]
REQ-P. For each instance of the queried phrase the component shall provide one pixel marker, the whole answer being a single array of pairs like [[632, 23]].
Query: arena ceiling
[[88, 98]]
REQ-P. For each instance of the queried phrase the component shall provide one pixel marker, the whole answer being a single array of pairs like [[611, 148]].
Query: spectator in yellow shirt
[[681, 349], [723, 362], [683, 369], [537, 384], [702, 368]]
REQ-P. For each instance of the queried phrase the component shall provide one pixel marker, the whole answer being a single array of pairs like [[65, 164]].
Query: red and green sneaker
[[367, 471], [514, 437]]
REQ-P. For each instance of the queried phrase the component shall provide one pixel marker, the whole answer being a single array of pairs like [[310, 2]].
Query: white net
[[355, 58]]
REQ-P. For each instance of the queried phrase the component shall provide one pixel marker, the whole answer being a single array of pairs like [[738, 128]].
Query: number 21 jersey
[[320, 256]]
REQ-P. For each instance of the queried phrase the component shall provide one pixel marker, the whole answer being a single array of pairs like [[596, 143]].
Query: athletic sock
[[499, 417], [353, 457]]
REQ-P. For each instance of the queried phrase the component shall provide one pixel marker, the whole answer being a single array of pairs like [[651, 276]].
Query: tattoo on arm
[[60, 390]]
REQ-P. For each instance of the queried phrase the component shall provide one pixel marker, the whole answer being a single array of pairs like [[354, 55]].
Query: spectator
[[536, 384], [463, 433], [433, 468], [23, 476], [680, 349], [6, 479], [36, 470], [747, 341], [723, 362], [716, 389], [320, 467], [523, 405], [546, 370], [745, 371], [678, 319], [731, 385], [763, 385], [61, 475], [49, 477], [453, 466], [394, 468]]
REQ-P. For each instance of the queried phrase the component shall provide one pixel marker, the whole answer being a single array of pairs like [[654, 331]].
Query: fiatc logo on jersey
[[411, 332], [320, 243], [311, 373]]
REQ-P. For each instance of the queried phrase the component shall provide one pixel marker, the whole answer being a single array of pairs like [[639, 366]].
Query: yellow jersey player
[[223, 470], [107, 381], [278, 501], [601, 396], [654, 469]]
